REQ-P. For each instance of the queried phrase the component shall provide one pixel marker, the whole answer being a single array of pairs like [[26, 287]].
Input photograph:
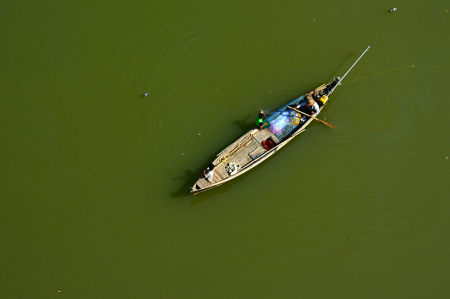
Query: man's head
[[261, 114], [211, 166], [311, 101]]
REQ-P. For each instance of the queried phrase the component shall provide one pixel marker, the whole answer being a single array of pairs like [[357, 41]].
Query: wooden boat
[[257, 145]]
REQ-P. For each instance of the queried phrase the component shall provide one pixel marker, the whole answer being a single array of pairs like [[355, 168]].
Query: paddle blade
[[330, 125]]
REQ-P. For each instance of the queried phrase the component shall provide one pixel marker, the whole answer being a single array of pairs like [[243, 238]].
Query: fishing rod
[[339, 82]]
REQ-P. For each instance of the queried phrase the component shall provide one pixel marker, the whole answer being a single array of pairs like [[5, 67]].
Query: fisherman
[[262, 122], [311, 107], [209, 172]]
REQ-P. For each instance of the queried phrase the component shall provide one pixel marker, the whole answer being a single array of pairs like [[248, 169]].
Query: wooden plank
[[219, 173], [242, 158], [231, 146], [260, 136], [245, 142], [244, 151], [256, 152], [203, 183], [236, 150]]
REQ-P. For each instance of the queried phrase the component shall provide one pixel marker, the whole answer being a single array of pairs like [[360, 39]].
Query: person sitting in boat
[[209, 172], [311, 108], [262, 122]]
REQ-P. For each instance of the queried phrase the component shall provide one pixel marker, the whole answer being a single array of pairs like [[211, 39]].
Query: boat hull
[[251, 149]]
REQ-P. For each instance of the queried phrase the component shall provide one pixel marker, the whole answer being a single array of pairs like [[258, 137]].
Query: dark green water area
[[94, 177]]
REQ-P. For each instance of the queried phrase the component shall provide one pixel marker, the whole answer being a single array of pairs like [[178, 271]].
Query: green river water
[[94, 177]]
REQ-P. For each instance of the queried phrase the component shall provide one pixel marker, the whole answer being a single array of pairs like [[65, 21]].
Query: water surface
[[94, 177]]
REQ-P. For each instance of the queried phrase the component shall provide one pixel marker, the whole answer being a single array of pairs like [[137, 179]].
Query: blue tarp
[[284, 120]]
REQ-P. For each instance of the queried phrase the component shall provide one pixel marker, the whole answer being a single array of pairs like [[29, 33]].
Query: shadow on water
[[244, 124], [184, 190], [190, 177], [351, 54]]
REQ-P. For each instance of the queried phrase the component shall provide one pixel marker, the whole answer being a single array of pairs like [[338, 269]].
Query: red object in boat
[[268, 144]]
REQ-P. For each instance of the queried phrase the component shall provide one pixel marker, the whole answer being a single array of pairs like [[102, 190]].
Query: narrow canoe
[[255, 146]]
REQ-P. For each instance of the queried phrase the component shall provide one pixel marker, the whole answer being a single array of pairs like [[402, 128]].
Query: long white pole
[[349, 70]]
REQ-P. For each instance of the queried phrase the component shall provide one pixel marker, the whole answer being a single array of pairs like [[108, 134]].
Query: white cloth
[[209, 175], [316, 108], [232, 168]]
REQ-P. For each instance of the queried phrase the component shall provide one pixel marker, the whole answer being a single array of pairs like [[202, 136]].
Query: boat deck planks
[[241, 157], [202, 183], [219, 173], [260, 136], [257, 152]]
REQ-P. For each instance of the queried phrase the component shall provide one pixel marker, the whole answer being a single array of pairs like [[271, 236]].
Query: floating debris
[[393, 9]]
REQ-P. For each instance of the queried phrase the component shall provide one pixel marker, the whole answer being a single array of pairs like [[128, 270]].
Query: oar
[[348, 71], [324, 122]]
